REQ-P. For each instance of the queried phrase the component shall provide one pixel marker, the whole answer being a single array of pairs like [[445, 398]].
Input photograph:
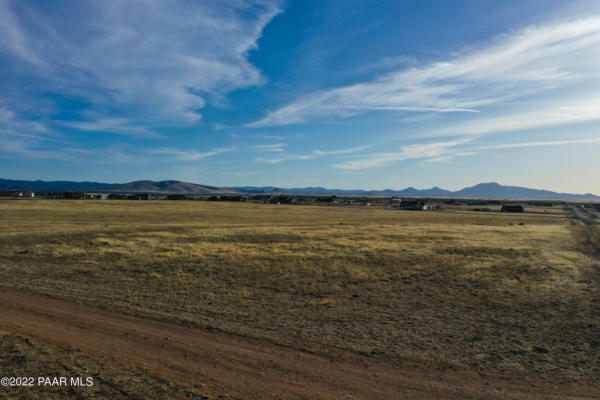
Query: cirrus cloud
[[144, 60], [531, 61]]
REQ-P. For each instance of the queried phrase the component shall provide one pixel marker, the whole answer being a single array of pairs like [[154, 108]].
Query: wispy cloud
[[530, 61], [446, 158], [388, 63], [443, 152], [581, 110], [277, 147], [147, 60], [31, 149], [11, 121], [268, 137], [451, 153], [408, 152], [14, 40], [122, 126], [30, 136], [538, 144], [6, 115], [219, 127], [309, 156], [191, 155], [22, 136]]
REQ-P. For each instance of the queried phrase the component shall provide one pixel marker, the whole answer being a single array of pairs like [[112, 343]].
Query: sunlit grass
[[471, 290]]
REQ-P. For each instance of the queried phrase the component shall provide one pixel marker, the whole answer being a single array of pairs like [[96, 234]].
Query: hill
[[162, 187], [53, 186], [496, 190], [170, 187], [481, 190]]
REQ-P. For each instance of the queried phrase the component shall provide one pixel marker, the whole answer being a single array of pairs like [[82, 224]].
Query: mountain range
[[482, 190], [161, 187]]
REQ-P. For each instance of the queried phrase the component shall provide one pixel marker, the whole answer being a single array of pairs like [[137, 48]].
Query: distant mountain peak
[[488, 184], [480, 190]]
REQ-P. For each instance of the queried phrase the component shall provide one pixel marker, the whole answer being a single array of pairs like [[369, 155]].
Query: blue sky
[[344, 94]]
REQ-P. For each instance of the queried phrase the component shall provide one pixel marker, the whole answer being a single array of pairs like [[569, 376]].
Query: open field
[[510, 295]]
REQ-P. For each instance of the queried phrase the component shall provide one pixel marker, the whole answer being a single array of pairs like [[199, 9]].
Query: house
[[138, 196], [273, 200], [10, 194], [414, 204], [95, 196], [176, 197], [231, 198], [410, 204], [68, 195], [261, 197], [327, 199], [286, 200], [117, 196], [515, 208]]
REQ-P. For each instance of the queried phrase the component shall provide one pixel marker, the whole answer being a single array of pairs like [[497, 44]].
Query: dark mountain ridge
[[145, 186], [481, 190]]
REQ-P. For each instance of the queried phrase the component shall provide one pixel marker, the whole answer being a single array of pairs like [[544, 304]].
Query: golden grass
[[456, 288], [588, 239]]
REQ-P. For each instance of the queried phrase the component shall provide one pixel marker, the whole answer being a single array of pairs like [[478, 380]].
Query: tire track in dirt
[[248, 368]]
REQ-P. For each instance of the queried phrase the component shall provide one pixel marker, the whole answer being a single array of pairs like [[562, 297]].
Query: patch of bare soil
[[251, 369]]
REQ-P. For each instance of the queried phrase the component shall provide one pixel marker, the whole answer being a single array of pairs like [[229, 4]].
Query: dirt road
[[251, 369], [583, 216]]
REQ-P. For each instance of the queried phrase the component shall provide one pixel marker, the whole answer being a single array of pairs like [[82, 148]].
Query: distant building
[[226, 198], [10, 194], [138, 196], [232, 198], [410, 204], [95, 196], [74, 195], [66, 195], [176, 197], [15, 193], [286, 200], [515, 208], [117, 196], [261, 197], [327, 199]]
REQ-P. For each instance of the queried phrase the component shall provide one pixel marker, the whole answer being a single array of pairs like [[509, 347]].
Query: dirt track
[[251, 369]]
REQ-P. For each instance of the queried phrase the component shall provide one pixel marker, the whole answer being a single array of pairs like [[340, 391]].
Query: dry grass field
[[498, 293]]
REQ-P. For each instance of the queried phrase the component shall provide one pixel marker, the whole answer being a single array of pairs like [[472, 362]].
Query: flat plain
[[500, 295]]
